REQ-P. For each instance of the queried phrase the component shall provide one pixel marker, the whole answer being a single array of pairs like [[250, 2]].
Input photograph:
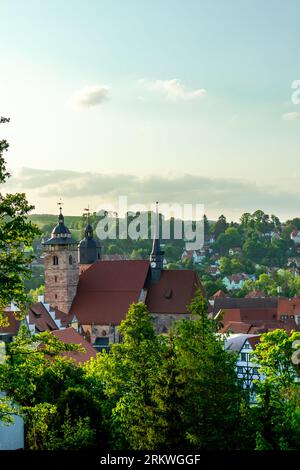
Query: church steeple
[[89, 249], [61, 266], [157, 255]]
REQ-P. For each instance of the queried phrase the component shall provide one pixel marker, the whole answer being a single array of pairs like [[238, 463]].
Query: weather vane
[[87, 213], [60, 204]]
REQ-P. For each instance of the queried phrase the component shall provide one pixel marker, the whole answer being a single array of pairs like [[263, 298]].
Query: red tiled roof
[[106, 290], [70, 336], [236, 327], [174, 291], [13, 326], [249, 315], [40, 317], [63, 317], [288, 306], [254, 340], [219, 293], [255, 294], [295, 233]]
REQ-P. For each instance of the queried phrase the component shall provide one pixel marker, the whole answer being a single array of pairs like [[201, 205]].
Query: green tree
[[210, 396], [16, 232], [220, 226], [278, 411], [127, 374]]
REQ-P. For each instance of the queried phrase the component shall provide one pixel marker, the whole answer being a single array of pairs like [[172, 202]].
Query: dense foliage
[[154, 392], [16, 233]]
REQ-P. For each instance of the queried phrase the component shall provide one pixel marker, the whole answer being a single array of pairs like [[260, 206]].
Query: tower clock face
[[153, 264]]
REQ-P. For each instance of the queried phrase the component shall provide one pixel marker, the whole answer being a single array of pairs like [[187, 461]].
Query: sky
[[176, 101]]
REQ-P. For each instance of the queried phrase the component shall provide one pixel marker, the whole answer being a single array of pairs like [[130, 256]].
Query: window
[[70, 260], [246, 346], [239, 370], [55, 278], [244, 357], [56, 296], [55, 260]]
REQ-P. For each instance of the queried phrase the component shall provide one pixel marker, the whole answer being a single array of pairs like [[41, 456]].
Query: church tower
[[61, 267], [89, 249], [157, 255]]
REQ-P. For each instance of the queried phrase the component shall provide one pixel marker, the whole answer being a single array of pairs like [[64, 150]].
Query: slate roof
[[236, 342]]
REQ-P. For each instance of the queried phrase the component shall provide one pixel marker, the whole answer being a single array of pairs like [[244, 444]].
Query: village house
[[196, 256], [246, 369], [295, 237], [213, 270], [235, 281], [255, 315]]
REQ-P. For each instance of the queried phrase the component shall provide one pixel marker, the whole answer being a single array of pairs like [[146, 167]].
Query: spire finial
[[60, 204], [87, 213], [156, 233], [157, 255]]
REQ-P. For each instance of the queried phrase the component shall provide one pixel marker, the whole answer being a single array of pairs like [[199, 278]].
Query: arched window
[[55, 260], [70, 259]]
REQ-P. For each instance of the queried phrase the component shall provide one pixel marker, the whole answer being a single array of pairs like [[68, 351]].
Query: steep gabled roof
[[41, 318], [106, 290], [174, 291], [237, 341]]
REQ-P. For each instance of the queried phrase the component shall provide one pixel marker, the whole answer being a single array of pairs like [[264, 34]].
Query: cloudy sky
[[176, 101]]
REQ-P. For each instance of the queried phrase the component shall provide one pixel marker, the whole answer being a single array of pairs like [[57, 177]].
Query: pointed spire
[[60, 217], [156, 240], [88, 232], [157, 256]]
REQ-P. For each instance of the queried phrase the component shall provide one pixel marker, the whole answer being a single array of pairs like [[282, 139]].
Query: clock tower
[[61, 267], [157, 255]]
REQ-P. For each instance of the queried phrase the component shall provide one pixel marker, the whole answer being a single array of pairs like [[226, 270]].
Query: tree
[[37, 378], [16, 232], [127, 374], [220, 226], [231, 238], [210, 395], [278, 411]]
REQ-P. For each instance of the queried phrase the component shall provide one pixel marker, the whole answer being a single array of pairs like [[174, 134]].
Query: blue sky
[[181, 101]]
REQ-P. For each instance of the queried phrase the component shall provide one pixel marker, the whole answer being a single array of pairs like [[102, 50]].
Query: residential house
[[246, 368], [235, 281], [213, 270]]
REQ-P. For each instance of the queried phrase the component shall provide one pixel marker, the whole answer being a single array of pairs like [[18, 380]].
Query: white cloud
[[218, 194], [294, 116], [172, 89], [90, 96]]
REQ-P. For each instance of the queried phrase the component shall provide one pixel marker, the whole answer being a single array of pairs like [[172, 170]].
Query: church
[[93, 295]]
